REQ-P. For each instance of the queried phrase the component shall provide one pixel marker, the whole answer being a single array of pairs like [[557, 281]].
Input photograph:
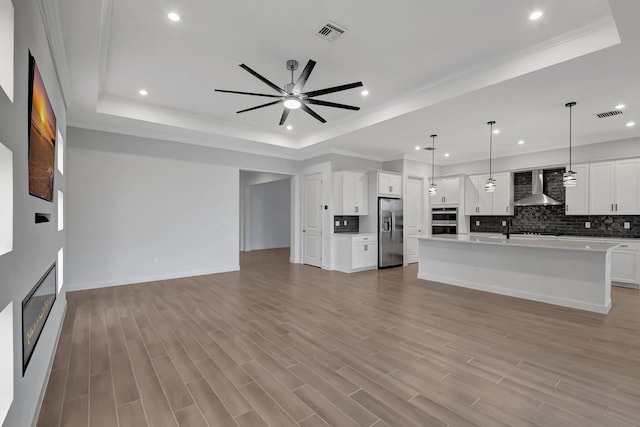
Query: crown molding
[[53, 28]]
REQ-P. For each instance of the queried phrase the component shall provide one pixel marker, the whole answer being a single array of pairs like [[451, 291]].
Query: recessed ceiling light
[[417, 147], [629, 124], [535, 15], [289, 127], [143, 92], [447, 154], [496, 131], [620, 106], [173, 16], [521, 142], [364, 92]]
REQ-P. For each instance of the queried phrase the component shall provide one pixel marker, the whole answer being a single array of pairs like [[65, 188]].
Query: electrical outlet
[[627, 225], [337, 223], [587, 224], [504, 223], [344, 222], [477, 223]]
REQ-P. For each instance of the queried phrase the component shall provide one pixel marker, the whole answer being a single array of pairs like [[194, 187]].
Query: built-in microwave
[[444, 221]]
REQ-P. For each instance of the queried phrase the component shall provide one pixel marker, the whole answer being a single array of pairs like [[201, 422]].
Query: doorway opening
[[265, 211]]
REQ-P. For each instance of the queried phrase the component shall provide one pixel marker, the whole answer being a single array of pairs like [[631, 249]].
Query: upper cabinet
[[614, 187], [389, 184], [448, 192], [350, 193], [577, 198], [479, 202]]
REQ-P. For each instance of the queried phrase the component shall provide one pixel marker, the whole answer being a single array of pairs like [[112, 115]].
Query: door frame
[[423, 202], [327, 212]]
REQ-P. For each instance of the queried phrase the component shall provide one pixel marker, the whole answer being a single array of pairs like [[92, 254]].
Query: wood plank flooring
[[279, 344]]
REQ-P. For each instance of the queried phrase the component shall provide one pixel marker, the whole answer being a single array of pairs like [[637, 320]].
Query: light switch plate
[[337, 223], [504, 223], [627, 225], [587, 224], [477, 223], [344, 222]]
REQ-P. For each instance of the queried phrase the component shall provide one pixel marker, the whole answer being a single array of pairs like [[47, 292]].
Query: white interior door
[[413, 217], [312, 220]]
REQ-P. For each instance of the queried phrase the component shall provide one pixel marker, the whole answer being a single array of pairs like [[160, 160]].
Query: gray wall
[[35, 246], [142, 209], [270, 219]]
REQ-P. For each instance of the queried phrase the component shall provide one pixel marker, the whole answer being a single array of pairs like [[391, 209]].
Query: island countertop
[[525, 241]]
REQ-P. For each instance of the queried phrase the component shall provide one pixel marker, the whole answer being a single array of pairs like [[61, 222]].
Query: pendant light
[[490, 186], [433, 188], [570, 178]]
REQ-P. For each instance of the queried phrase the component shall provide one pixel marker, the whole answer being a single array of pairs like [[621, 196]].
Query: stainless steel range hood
[[537, 197]]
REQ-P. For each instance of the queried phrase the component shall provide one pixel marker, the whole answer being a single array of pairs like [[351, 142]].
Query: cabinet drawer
[[364, 238], [364, 255]]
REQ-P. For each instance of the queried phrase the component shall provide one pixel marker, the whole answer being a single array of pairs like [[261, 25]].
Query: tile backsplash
[[353, 224], [551, 219]]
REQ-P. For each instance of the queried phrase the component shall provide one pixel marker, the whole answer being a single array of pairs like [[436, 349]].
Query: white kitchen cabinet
[[577, 198], [625, 264], [502, 203], [350, 193], [614, 187], [356, 252], [389, 184], [448, 192], [479, 202]]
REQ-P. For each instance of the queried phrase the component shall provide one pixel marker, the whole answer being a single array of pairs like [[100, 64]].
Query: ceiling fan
[[292, 95]]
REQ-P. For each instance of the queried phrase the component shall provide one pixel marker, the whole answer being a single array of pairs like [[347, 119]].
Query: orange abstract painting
[[42, 138]]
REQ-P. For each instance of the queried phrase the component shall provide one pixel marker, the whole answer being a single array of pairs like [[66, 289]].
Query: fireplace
[[35, 311]]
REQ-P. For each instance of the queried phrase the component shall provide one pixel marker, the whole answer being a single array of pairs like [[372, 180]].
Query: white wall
[[35, 246], [270, 215], [134, 218]]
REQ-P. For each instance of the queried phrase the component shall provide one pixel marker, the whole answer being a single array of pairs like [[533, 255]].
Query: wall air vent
[[609, 114], [331, 31]]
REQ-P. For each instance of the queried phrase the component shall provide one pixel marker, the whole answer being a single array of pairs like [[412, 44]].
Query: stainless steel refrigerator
[[390, 248]]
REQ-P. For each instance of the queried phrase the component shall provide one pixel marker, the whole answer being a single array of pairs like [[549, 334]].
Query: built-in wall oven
[[444, 221]]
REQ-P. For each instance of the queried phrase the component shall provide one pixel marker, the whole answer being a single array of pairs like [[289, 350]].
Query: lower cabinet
[[356, 252], [625, 265]]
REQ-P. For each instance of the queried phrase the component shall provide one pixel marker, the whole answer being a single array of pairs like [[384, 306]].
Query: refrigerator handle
[[391, 220]]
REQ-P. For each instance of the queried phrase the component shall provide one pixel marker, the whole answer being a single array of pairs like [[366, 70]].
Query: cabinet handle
[[507, 209], [391, 189], [611, 207], [366, 248], [616, 207], [356, 209]]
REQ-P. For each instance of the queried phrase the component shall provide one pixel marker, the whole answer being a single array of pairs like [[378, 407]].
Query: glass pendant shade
[[569, 179], [490, 185], [433, 189]]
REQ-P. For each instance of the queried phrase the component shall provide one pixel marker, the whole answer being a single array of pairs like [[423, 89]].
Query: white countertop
[[525, 241], [355, 234]]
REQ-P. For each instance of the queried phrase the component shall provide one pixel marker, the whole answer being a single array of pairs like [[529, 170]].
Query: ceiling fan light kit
[[291, 96]]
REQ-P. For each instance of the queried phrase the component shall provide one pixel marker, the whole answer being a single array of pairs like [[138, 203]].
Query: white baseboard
[[549, 299], [70, 287]]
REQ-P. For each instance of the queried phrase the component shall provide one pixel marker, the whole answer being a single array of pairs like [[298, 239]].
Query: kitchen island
[[563, 272]]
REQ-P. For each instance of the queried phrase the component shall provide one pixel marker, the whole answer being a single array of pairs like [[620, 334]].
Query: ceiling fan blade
[[302, 79], [332, 104], [332, 89], [248, 93], [260, 106], [312, 113], [264, 80], [285, 114]]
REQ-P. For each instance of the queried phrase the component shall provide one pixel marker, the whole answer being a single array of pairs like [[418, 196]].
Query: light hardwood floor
[[278, 344]]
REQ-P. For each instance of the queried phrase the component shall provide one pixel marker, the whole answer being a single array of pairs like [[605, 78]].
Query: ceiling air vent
[[331, 31], [609, 114]]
